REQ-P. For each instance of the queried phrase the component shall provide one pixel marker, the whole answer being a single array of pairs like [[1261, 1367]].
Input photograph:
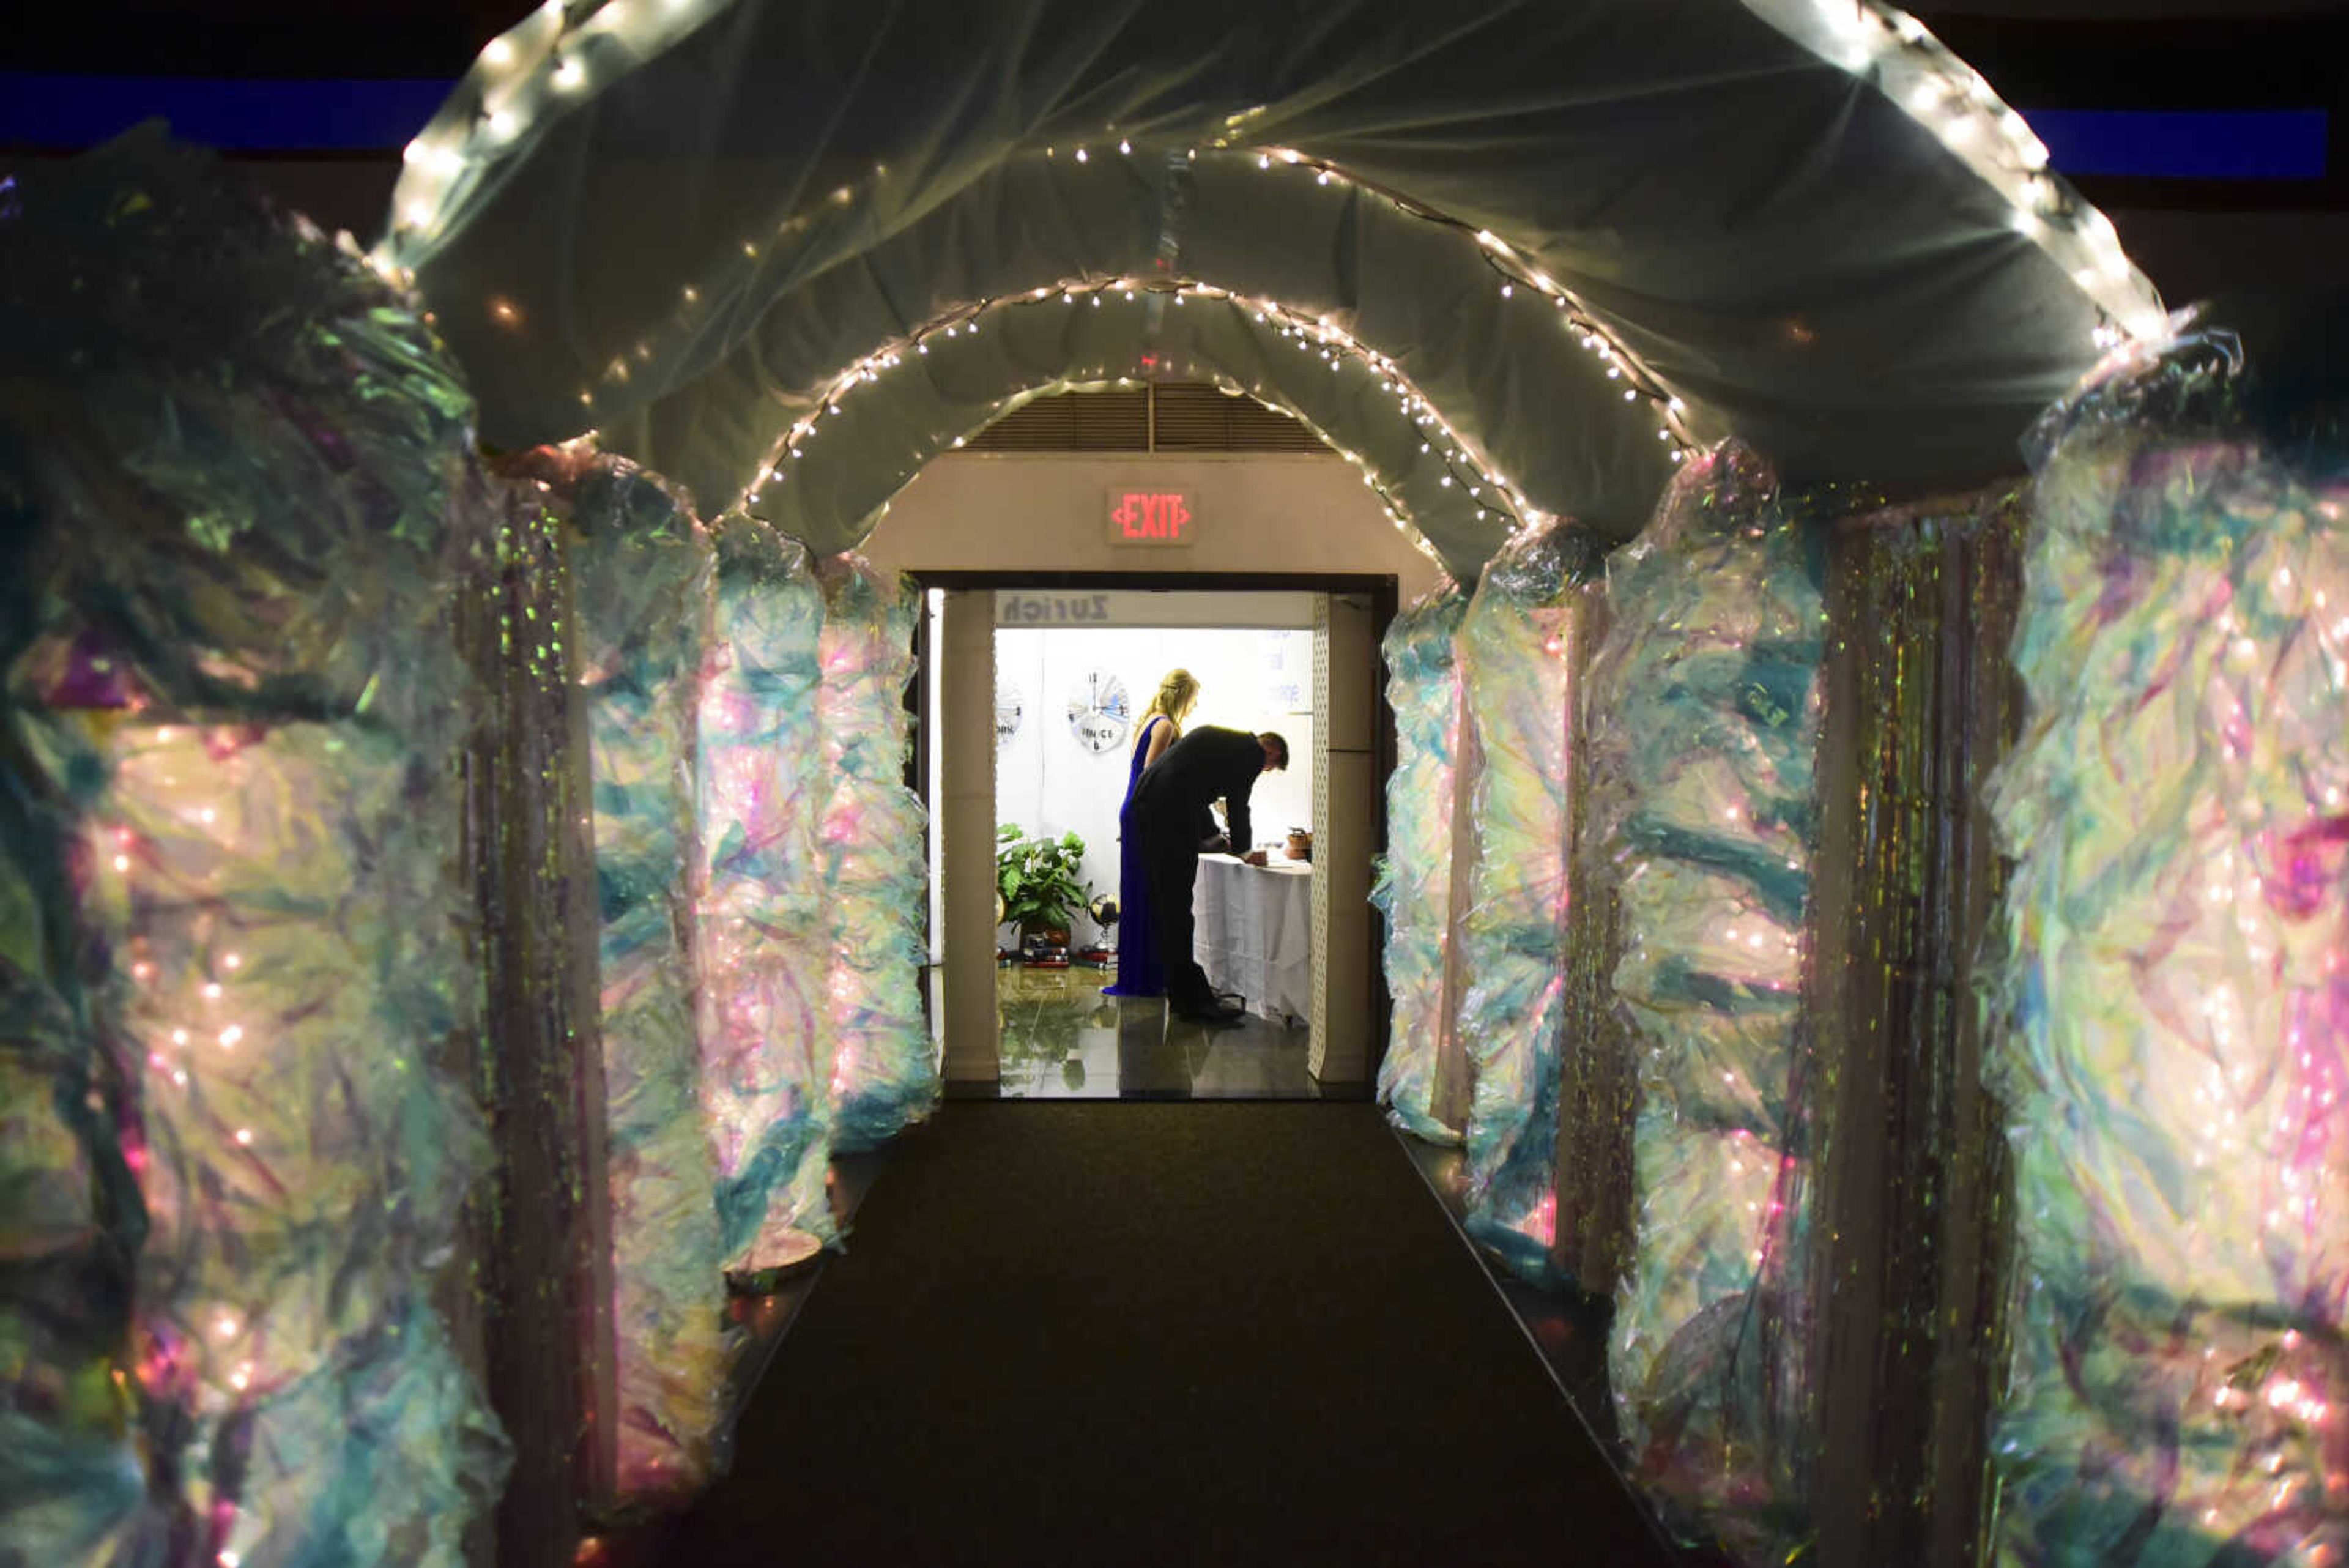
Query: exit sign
[[1152, 518]]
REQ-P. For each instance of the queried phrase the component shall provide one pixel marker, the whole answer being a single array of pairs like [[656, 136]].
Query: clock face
[[1009, 706], [1099, 711]]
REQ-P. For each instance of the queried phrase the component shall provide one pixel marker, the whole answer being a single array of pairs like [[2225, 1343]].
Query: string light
[[1307, 332], [1585, 329], [1863, 37], [1949, 99]]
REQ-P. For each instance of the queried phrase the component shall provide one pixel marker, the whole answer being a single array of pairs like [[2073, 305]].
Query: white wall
[[1046, 511], [1256, 679]]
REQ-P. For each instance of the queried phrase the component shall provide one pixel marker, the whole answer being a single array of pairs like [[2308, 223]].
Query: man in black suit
[[1168, 821]]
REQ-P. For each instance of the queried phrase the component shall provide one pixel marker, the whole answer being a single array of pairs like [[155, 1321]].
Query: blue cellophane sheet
[[1413, 889], [2175, 1017], [1705, 709]]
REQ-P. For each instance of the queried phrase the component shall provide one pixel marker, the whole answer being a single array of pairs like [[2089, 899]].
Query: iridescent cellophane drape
[[236, 1003], [641, 577], [2172, 1054], [884, 1070], [1704, 706], [766, 936], [1519, 648], [1413, 889]]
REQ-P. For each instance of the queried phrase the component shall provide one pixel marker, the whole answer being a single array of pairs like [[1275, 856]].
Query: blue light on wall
[[261, 115], [273, 115], [2174, 144]]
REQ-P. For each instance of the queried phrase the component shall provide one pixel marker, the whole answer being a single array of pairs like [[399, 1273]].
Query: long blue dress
[[1139, 973]]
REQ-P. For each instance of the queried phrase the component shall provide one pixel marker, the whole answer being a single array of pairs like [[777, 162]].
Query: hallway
[[1131, 1334]]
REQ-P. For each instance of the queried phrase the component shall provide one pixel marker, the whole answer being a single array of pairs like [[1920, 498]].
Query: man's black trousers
[[1170, 859]]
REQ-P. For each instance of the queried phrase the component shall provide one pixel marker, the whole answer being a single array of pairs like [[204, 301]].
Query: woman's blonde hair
[[1176, 695]]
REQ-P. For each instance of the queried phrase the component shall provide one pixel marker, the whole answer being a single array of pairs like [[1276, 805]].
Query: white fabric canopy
[[680, 221]]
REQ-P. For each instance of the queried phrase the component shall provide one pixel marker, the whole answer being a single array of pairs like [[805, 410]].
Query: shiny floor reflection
[[1062, 1039]]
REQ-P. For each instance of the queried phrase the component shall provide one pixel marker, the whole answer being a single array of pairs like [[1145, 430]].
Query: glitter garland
[[1908, 1212]]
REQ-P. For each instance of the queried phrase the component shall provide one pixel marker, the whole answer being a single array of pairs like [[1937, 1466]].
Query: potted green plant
[[1041, 882]]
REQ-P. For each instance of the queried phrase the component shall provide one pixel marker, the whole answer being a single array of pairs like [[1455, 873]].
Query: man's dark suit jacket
[[1207, 763]]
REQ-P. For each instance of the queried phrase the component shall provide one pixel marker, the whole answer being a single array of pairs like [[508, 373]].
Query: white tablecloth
[[1253, 932]]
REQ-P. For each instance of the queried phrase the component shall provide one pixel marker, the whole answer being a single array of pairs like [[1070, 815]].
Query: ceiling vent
[[1168, 416]]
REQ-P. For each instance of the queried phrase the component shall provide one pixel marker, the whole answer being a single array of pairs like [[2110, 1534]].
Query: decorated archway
[[1527, 272], [1515, 268], [1801, 222]]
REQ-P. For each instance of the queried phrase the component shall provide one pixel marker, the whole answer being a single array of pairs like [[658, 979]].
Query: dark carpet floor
[[1127, 1333]]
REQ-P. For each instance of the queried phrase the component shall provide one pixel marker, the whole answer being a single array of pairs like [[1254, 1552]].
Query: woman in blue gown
[[1139, 973]]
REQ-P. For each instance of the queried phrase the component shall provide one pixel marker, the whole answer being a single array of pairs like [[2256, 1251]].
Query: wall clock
[[1009, 706], [1099, 711]]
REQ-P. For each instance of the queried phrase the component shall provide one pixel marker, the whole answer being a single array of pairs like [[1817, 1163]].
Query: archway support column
[[965, 823], [1346, 817]]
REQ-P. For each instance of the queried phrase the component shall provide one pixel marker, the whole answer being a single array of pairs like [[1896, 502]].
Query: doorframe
[[1384, 593]]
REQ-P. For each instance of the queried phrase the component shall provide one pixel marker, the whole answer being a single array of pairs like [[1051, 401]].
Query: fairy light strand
[[553, 60], [1486, 492]]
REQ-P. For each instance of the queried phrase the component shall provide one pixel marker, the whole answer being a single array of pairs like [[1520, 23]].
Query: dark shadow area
[[1230, 1334], [1568, 1330]]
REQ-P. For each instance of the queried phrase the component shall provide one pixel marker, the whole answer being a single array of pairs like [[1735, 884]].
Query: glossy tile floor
[[1062, 1039]]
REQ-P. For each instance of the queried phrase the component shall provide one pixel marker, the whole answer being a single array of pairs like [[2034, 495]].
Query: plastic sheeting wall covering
[[641, 574], [884, 1070], [764, 918], [1413, 889], [236, 999], [2173, 1051], [1518, 649], [1705, 712]]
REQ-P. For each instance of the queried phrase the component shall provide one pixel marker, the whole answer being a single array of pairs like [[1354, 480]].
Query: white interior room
[[1069, 700]]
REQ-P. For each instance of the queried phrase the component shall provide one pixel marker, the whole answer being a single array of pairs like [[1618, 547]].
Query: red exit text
[[1151, 517]]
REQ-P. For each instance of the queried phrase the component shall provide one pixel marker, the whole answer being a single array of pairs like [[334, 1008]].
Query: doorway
[[1032, 691]]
